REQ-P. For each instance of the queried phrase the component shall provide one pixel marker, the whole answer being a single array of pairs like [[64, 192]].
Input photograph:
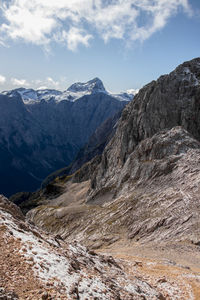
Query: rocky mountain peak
[[189, 72], [72, 94], [172, 100], [95, 85]]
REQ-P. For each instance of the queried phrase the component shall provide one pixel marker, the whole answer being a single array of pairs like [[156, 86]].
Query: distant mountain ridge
[[73, 93], [40, 133]]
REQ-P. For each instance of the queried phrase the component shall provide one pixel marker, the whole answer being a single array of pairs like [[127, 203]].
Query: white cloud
[[75, 36], [20, 82], [2, 79], [47, 83], [75, 22], [52, 82], [42, 87], [132, 91]]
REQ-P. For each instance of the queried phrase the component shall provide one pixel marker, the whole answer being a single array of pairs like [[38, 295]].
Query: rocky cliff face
[[40, 135], [146, 186], [172, 100]]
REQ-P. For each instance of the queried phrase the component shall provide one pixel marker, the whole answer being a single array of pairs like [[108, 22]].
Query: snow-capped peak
[[23, 92], [73, 93], [93, 86], [30, 96]]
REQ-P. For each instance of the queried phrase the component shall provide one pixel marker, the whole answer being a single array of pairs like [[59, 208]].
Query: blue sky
[[126, 43]]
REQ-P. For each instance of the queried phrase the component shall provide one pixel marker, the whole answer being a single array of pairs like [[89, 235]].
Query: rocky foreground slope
[[35, 265]]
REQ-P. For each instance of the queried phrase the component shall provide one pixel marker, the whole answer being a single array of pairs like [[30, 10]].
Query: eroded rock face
[[151, 158], [10, 207], [155, 197], [172, 100]]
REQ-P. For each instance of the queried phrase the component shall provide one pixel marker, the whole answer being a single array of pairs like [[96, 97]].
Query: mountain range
[[73, 93], [43, 130], [133, 192], [145, 184]]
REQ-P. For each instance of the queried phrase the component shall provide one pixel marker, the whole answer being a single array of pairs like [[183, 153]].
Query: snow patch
[[72, 94], [189, 76]]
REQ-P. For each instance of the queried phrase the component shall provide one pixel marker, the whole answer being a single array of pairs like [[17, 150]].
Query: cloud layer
[[45, 83], [76, 22], [19, 82], [2, 79]]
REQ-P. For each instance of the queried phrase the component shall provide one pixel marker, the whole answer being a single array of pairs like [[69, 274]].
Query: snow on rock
[[94, 85], [70, 269], [73, 93], [190, 77]]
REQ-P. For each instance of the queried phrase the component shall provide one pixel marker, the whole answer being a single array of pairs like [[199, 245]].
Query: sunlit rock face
[[172, 100]]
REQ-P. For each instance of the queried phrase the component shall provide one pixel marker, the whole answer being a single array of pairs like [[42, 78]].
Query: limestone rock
[[172, 100]]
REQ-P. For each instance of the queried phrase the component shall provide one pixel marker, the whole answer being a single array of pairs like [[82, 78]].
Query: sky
[[125, 43]]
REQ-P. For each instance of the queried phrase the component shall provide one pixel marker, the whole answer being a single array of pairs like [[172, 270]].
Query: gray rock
[[172, 100]]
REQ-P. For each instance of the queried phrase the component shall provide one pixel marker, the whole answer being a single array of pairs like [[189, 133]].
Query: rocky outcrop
[[11, 208], [172, 100]]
